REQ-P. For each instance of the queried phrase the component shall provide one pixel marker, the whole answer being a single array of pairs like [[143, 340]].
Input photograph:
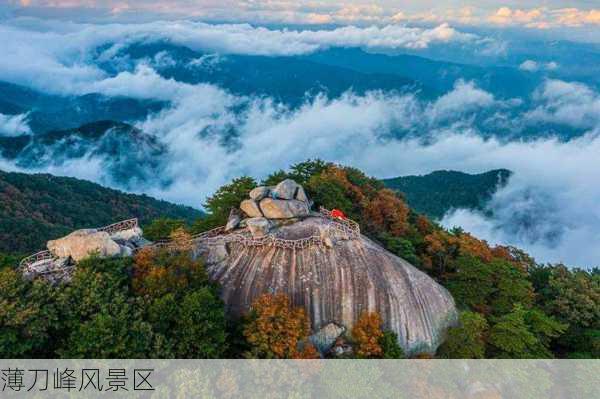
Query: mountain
[[439, 75], [39, 207], [286, 79], [438, 192], [47, 111], [125, 152]]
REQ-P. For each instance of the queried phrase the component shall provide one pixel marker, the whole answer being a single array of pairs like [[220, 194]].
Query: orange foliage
[[387, 212], [339, 175], [159, 271], [423, 225], [470, 245], [440, 249], [181, 239], [275, 328], [366, 333]]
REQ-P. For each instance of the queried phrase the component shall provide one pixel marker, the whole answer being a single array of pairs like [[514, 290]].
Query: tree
[[157, 272], [512, 338], [390, 347], [386, 212], [440, 249], [274, 329], [116, 331], [467, 340], [200, 326], [400, 247], [161, 228], [511, 286], [27, 316], [300, 172], [472, 284], [366, 334], [223, 200]]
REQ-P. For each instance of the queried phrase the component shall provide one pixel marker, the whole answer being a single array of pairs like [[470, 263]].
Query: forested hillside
[[161, 303], [39, 207], [438, 192]]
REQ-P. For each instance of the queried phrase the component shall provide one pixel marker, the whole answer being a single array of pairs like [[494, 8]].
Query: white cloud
[[58, 57], [568, 103], [534, 66], [13, 125]]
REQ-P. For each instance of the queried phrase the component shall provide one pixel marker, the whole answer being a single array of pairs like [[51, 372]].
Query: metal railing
[[344, 228]]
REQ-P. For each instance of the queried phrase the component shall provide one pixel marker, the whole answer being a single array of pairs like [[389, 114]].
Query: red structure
[[336, 213]]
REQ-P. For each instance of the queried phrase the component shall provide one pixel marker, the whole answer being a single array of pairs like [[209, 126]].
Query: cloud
[[566, 103], [549, 207], [534, 66], [13, 125], [60, 57]]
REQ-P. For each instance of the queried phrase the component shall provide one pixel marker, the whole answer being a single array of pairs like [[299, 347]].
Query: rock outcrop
[[58, 262], [336, 275]]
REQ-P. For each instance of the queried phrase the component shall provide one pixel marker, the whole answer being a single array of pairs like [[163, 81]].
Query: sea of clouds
[[550, 206]]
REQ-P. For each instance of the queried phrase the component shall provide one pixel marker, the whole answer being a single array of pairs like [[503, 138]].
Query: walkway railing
[[345, 228]]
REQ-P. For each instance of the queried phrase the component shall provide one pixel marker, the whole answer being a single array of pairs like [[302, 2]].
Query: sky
[[534, 14]]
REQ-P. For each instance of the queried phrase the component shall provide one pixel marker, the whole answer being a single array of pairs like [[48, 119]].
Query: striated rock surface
[[334, 284]]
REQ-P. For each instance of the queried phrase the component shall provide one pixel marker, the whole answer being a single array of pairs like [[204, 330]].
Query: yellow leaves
[[366, 333], [275, 328]]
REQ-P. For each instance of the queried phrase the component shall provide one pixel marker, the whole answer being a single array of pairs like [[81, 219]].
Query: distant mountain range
[[438, 192], [39, 207]]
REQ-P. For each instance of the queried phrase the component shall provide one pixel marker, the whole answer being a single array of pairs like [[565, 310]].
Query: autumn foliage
[[387, 212], [160, 271], [367, 333], [275, 329]]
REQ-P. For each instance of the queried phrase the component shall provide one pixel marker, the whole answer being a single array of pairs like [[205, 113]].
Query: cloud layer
[[549, 207]]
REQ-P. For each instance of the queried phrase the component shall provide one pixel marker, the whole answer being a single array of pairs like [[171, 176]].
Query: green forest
[[438, 192], [161, 304], [40, 207]]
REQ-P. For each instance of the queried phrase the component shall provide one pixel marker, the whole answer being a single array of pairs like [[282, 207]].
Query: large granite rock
[[250, 208], [234, 219], [324, 339], [286, 189], [283, 209], [259, 193], [335, 284], [258, 227], [81, 243]]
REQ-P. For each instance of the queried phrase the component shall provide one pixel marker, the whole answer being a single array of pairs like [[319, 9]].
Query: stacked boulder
[[268, 205]]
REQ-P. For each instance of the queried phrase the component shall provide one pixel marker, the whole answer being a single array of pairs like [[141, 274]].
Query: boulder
[[301, 195], [286, 189], [250, 208], [234, 220], [259, 193], [324, 339], [258, 227], [283, 209], [81, 243], [131, 238]]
